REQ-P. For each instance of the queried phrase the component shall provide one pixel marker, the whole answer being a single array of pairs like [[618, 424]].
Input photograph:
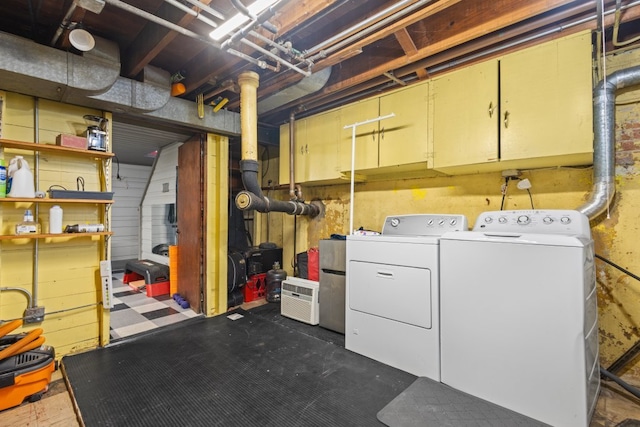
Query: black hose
[[611, 263], [631, 389]]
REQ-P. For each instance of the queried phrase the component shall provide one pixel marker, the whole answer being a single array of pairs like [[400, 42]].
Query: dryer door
[[387, 291]]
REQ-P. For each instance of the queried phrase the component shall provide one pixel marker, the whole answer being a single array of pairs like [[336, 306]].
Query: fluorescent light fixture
[[231, 24]]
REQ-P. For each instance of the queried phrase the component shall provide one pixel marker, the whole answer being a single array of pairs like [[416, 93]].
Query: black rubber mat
[[427, 403], [219, 372]]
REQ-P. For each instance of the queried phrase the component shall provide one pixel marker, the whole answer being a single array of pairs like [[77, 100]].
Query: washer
[[519, 316], [392, 294]]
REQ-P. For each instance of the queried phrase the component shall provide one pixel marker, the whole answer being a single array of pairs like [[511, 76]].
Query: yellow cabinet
[[465, 110], [366, 135], [546, 100], [396, 141], [315, 148], [528, 109]]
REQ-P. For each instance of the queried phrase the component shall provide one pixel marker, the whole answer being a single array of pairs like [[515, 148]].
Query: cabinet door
[[366, 149], [300, 149], [322, 137], [546, 102], [403, 138], [465, 110]]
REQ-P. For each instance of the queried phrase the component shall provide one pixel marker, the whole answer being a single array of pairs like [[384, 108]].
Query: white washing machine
[[518, 314], [392, 294]]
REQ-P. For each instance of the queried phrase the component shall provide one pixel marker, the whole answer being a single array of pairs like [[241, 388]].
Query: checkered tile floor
[[134, 313]]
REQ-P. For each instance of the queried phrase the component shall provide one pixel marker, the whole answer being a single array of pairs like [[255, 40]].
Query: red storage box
[[157, 289], [255, 288], [313, 270], [72, 141]]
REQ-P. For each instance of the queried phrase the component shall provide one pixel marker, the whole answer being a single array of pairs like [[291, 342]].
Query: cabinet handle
[[306, 148], [373, 135], [302, 149], [382, 134], [506, 119], [491, 109]]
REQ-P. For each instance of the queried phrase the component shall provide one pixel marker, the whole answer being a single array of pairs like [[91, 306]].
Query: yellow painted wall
[[615, 237], [68, 272], [217, 188]]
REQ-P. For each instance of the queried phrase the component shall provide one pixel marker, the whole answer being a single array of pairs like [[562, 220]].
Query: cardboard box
[[137, 285], [72, 141]]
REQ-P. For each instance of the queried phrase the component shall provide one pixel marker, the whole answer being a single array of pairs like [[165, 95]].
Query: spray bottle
[[3, 178]]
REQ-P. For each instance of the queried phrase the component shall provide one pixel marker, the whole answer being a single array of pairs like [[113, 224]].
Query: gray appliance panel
[[333, 255], [332, 301]]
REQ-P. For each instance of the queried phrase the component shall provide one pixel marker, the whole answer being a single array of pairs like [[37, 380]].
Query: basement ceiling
[[343, 49]]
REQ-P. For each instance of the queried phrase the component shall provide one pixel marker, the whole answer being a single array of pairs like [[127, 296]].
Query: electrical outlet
[[34, 315], [511, 173]]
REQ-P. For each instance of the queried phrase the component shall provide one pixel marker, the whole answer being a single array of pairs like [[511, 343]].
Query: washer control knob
[[502, 220], [430, 222], [395, 222], [547, 220], [441, 222], [523, 220], [565, 220], [453, 222], [488, 220]]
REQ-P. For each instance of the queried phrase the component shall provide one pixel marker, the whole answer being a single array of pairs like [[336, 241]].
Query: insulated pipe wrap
[[248, 82], [252, 198]]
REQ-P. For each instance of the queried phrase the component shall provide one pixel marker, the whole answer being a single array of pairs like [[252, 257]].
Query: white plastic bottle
[[55, 220]]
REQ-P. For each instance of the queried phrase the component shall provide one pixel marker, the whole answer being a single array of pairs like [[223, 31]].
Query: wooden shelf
[[55, 201], [54, 237], [8, 143]]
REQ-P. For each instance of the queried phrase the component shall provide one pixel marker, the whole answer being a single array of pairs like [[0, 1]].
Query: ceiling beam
[[292, 14], [154, 38], [288, 79], [485, 24]]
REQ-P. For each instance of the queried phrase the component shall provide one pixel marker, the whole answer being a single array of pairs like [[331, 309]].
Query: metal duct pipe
[[604, 97], [252, 198]]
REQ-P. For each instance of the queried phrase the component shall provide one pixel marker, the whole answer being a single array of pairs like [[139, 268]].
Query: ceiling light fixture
[[81, 40], [231, 24]]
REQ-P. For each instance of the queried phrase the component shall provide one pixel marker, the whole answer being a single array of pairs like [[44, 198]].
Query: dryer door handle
[[385, 274]]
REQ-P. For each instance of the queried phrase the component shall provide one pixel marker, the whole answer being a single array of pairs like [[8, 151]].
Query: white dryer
[[392, 292], [518, 314]]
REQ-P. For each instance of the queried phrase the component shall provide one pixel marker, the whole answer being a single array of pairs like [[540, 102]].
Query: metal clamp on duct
[[253, 199]]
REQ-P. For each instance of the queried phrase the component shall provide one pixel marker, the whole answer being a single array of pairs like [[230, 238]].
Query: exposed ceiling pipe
[[64, 23], [246, 12], [192, 12], [604, 98], [361, 29], [206, 7], [151, 17], [252, 198], [275, 57]]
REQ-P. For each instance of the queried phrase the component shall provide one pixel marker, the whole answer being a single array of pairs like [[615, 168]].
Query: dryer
[[392, 292], [519, 316]]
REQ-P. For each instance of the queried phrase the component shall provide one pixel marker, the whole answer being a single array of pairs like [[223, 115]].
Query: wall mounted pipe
[[604, 97], [252, 198], [292, 164]]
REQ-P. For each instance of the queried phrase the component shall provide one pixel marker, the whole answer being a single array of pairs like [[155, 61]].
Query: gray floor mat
[[427, 403]]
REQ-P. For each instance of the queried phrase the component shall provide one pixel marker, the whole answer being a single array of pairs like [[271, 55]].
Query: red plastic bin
[[255, 288], [157, 289]]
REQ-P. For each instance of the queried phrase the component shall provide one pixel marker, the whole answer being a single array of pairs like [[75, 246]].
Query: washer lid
[[517, 238]]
